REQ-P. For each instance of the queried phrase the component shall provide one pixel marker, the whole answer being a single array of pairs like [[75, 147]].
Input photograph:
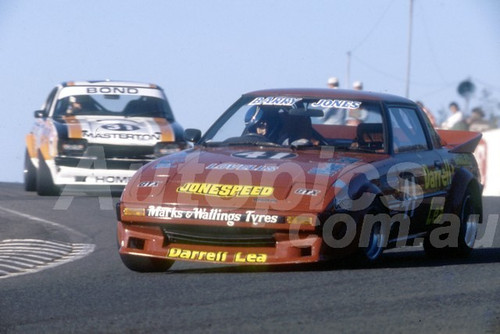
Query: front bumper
[[152, 241], [89, 172], [92, 177]]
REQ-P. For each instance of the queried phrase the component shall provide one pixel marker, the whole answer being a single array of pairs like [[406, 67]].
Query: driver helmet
[[260, 118]]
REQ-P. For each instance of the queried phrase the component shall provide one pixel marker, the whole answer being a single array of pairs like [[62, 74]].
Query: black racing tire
[[145, 264], [372, 253], [44, 183], [375, 248], [29, 173], [470, 215], [370, 243]]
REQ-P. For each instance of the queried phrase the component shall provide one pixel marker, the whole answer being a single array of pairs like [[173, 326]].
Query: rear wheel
[[44, 183], [145, 264], [29, 173], [470, 215], [469, 223]]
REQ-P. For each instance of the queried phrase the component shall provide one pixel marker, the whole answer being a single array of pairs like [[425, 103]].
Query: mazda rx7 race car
[[298, 176], [98, 133]]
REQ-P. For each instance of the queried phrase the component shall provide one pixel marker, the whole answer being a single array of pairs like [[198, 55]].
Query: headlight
[[169, 148], [72, 146]]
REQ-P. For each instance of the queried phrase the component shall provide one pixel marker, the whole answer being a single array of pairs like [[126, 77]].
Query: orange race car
[[96, 134], [304, 175]]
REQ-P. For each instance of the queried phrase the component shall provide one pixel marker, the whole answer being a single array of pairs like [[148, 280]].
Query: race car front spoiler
[[288, 248], [92, 177]]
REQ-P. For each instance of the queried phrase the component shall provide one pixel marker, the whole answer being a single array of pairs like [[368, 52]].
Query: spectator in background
[[333, 82], [356, 116], [429, 114], [477, 122], [357, 85], [456, 120]]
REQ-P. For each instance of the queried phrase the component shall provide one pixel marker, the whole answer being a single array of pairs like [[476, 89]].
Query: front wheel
[[44, 182], [29, 173], [372, 252], [145, 264], [372, 242]]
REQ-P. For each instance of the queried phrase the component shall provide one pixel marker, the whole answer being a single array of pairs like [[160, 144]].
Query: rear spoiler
[[459, 141]]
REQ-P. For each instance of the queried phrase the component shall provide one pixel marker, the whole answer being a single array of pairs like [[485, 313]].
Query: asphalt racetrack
[[60, 273]]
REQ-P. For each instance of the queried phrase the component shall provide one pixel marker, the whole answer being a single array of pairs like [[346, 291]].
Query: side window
[[407, 132], [61, 107], [436, 140]]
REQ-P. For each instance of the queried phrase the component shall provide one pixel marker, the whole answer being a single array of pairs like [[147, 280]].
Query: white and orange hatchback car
[[96, 134]]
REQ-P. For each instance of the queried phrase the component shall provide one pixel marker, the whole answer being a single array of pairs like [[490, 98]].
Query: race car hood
[[241, 178], [143, 131]]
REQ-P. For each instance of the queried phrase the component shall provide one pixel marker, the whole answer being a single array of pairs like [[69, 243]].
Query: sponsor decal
[[220, 256], [106, 89], [112, 129], [250, 216], [328, 169], [112, 90], [231, 166], [112, 179], [438, 178], [274, 101], [126, 136], [225, 190], [344, 104], [264, 155], [307, 192], [436, 210]]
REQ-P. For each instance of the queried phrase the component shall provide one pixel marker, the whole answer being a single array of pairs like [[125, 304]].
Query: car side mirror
[[192, 135], [40, 114]]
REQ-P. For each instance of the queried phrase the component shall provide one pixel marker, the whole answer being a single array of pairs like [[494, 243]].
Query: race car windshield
[[113, 105], [295, 122]]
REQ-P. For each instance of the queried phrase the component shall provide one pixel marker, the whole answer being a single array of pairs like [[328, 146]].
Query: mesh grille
[[220, 236]]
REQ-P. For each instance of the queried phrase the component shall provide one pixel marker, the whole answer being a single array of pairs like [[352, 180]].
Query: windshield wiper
[[140, 115], [212, 144], [220, 144], [364, 150], [257, 143], [306, 146]]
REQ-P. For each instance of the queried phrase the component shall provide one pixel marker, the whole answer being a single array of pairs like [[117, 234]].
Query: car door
[[419, 171]]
